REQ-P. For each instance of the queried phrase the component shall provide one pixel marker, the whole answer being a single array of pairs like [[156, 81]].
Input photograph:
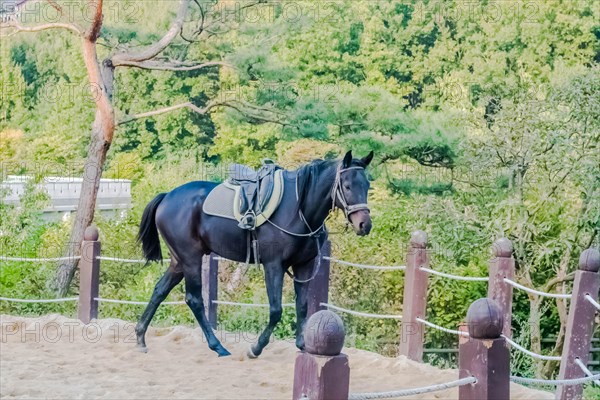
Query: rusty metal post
[[485, 355], [89, 275], [580, 324], [500, 267], [322, 371], [318, 288], [210, 287], [415, 297]]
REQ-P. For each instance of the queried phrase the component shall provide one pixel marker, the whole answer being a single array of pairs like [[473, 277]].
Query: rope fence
[[441, 328], [39, 260], [539, 293], [500, 288], [39, 300], [359, 313], [592, 301], [366, 266], [263, 305], [456, 277], [58, 259], [414, 391], [554, 382], [132, 302], [529, 352], [130, 261], [586, 370]]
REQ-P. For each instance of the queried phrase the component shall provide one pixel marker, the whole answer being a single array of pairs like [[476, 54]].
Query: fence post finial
[[91, 233], [502, 248], [322, 371], [580, 323], [501, 266], [415, 297], [485, 355], [589, 260], [89, 275], [418, 239]]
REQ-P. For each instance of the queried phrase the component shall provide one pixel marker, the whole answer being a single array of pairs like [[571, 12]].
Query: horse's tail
[[148, 234]]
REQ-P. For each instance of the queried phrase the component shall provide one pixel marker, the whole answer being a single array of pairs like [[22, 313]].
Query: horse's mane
[[308, 178]]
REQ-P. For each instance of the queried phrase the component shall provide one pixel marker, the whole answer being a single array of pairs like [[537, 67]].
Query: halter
[[338, 192]]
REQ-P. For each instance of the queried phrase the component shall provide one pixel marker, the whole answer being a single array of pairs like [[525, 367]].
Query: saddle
[[255, 190], [248, 196]]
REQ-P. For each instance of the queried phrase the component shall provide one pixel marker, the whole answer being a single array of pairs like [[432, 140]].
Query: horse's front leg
[[274, 282], [302, 272]]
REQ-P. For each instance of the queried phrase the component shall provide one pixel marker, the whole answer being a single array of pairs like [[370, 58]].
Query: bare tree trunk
[[534, 331], [103, 130], [92, 173]]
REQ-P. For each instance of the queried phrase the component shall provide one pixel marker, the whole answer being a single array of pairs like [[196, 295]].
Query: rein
[[315, 269]]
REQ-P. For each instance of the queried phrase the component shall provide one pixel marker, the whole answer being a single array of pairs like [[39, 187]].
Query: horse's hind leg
[[169, 280], [193, 298]]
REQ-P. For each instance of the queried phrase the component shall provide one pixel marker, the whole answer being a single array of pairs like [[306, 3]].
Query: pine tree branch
[[189, 105], [203, 111], [158, 47], [166, 66], [17, 28]]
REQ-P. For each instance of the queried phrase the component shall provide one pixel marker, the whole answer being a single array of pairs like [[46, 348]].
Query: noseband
[[338, 192]]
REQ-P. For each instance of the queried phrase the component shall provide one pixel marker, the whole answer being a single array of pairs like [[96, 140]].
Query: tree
[[547, 150], [101, 78]]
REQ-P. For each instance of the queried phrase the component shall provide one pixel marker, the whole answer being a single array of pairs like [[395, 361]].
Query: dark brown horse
[[289, 239]]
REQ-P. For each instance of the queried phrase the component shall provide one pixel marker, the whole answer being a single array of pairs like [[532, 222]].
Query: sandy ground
[[58, 358]]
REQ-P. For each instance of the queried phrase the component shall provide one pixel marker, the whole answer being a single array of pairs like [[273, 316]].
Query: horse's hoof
[[142, 349], [223, 352], [220, 350], [251, 354]]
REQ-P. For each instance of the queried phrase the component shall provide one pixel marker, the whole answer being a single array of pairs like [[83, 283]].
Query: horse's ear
[[367, 160], [347, 160]]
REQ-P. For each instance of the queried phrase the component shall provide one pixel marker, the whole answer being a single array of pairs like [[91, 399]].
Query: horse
[[292, 238]]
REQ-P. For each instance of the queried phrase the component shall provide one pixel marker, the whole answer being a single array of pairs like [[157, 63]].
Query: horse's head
[[350, 192]]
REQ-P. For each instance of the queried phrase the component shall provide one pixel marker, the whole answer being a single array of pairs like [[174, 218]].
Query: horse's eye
[[347, 187]]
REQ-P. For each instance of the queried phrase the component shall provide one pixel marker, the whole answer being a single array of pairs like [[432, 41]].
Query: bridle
[[338, 192]]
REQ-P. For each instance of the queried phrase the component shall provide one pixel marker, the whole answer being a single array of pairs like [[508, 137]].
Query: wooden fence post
[[89, 275], [318, 288], [210, 287], [415, 297], [500, 267], [322, 371], [485, 355], [580, 324]]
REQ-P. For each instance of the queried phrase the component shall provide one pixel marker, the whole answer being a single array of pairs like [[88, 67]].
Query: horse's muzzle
[[361, 222]]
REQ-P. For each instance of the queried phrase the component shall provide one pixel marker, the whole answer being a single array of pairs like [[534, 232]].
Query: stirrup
[[248, 221]]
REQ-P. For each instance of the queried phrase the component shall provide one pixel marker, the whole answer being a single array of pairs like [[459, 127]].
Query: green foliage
[[484, 123]]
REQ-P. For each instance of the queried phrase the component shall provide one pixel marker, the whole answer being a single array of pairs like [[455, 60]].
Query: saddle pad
[[219, 201], [224, 201]]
